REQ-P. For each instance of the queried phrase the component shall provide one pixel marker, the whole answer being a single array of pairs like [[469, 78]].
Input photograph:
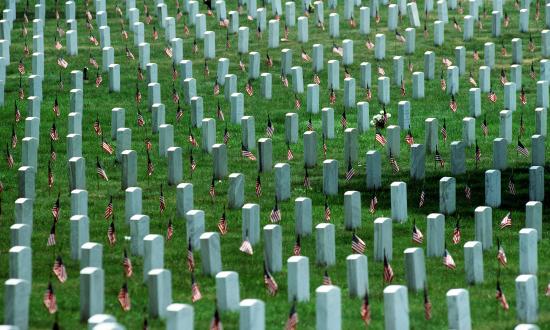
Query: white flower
[[388, 115], [381, 112]]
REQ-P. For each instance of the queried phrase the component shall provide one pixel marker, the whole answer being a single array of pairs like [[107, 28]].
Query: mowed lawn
[[485, 310]]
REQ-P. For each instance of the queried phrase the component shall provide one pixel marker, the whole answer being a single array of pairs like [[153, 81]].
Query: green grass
[[485, 310]]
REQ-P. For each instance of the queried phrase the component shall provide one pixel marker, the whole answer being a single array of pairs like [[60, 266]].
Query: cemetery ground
[[486, 311]]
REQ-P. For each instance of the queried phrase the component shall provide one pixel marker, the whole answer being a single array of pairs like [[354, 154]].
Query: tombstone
[[265, 155], [186, 70], [489, 52], [91, 255], [396, 307], [29, 152], [20, 235], [104, 37], [211, 259], [317, 58], [297, 80], [151, 70], [222, 70], [500, 154], [380, 46], [74, 145], [533, 217], [452, 80], [431, 134], [298, 278], [399, 201], [17, 294], [383, 239], [72, 43], [153, 250], [153, 95], [415, 269], [291, 128], [492, 188], [483, 226], [326, 253], [303, 216], [328, 314], [435, 235], [273, 34], [272, 246], [393, 141], [75, 123], [251, 223], [184, 199], [364, 20], [254, 65], [159, 286], [334, 25], [265, 85], [286, 61], [357, 275], [327, 118], [417, 161], [237, 107], [38, 66], [235, 192], [77, 175], [542, 93], [363, 120], [418, 85], [333, 74], [196, 111], [515, 74], [248, 129], [166, 139], [179, 316], [139, 228], [384, 90], [351, 145], [330, 177], [219, 152], [527, 305], [412, 12], [200, 26], [158, 116], [108, 58], [495, 24], [458, 309], [208, 134], [365, 78], [26, 185], [252, 314], [35, 83], [473, 262], [458, 158], [282, 181], [189, 89], [484, 79], [373, 169], [536, 183], [523, 20], [92, 296], [23, 212], [195, 227], [410, 43], [528, 260], [20, 263], [303, 36], [80, 234], [439, 33], [429, 65], [468, 131], [144, 50]]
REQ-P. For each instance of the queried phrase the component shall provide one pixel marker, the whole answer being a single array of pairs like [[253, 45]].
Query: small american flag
[[417, 235], [138, 96], [190, 258], [456, 233], [426, 33], [249, 89], [492, 96], [468, 192], [21, 67], [373, 204], [380, 138], [478, 154], [269, 129], [219, 112], [50, 301], [522, 149], [129, 54], [226, 136], [427, 305], [351, 171], [409, 138], [192, 162], [506, 19], [377, 16], [289, 154], [368, 93], [381, 71], [448, 260], [297, 250], [531, 42], [56, 107], [388, 271], [332, 96], [297, 102], [169, 230], [246, 153], [97, 126], [506, 221], [309, 124], [503, 79], [168, 51], [270, 283], [175, 96], [21, 92], [305, 56], [503, 51], [127, 265], [443, 83], [328, 213], [365, 310], [56, 209], [195, 290], [422, 199], [337, 49], [216, 323], [393, 163], [284, 79], [162, 201], [447, 62], [258, 186], [472, 80], [212, 190], [174, 72], [192, 139], [512, 185], [452, 104], [484, 127], [438, 158], [124, 298], [100, 171], [13, 138], [292, 321], [410, 65], [307, 182], [456, 25], [399, 37], [53, 154], [357, 244], [403, 90], [347, 74], [62, 63], [326, 278], [106, 147], [316, 79], [59, 270], [325, 148], [501, 256], [268, 61], [369, 44], [444, 131], [222, 224], [216, 88], [501, 298], [246, 247], [532, 72], [242, 66], [98, 80], [179, 112], [109, 209], [275, 215], [9, 157], [344, 120], [150, 166], [206, 69], [51, 237], [17, 114]]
